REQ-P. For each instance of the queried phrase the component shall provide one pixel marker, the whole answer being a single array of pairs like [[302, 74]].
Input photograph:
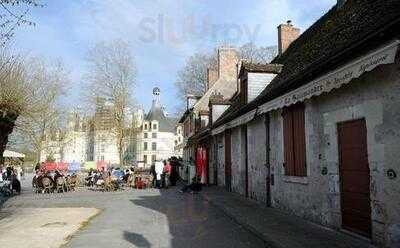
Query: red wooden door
[[228, 161], [354, 177]]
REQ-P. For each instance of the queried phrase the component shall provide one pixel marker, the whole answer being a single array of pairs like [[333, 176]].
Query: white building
[[156, 141], [150, 137]]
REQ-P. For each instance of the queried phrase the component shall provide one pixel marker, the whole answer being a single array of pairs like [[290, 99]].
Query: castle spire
[[156, 97]]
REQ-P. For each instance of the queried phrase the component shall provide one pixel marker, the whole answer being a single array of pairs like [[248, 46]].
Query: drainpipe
[[267, 163]]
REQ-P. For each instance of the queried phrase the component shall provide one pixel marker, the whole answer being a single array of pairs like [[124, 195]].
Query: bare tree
[[18, 95], [51, 80], [112, 78], [254, 54], [13, 13], [192, 78]]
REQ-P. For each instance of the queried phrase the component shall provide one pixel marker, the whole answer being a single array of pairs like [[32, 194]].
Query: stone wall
[[375, 97], [256, 134], [221, 159], [238, 161]]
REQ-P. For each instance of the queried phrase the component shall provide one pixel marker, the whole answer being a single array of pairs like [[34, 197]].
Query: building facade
[[221, 81], [316, 132], [148, 137]]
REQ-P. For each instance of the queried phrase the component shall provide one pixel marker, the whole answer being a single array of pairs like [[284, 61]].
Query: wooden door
[[354, 177], [228, 161]]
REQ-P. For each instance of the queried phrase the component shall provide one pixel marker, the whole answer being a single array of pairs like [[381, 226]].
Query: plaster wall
[[374, 97], [256, 134]]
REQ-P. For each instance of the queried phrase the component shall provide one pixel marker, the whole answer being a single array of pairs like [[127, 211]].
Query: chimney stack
[[212, 77], [227, 61], [287, 33]]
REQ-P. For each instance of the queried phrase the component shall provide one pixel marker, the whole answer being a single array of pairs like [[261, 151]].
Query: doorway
[[228, 161], [354, 177]]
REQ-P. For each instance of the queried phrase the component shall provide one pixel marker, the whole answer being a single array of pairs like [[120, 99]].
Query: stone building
[[321, 140], [179, 140], [149, 137], [156, 141], [221, 81]]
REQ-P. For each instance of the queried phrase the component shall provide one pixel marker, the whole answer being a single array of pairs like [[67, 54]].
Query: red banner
[[201, 164]]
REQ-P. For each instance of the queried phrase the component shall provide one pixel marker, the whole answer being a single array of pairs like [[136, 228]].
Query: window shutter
[[299, 144], [288, 141]]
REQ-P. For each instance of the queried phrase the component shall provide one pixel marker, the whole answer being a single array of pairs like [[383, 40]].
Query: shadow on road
[[136, 239], [192, 222]]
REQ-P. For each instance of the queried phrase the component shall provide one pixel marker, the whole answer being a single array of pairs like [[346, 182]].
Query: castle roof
[[156, 113]]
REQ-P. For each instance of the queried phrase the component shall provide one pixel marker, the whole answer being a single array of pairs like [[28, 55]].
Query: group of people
[[95, 176], [161, 172], [13, 176]]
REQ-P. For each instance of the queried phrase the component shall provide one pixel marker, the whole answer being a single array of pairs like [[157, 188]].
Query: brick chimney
[[227, 61], [287, 33], [212, 77]]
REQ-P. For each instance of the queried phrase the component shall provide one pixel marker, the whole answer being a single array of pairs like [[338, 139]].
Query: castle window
[[154, 146], [154, 135]]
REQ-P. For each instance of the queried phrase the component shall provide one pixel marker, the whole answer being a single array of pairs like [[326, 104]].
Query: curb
[[268, 243]]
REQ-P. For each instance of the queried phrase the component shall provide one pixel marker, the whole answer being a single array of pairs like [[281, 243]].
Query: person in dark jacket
[[154, 174], [194, 187]]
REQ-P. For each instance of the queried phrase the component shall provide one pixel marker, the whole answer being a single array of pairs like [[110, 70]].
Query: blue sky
[[161, 33]]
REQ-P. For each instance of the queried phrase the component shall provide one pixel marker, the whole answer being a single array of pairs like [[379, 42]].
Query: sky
[[161, 34]]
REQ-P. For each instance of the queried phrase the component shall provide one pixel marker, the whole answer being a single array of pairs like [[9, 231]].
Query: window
[[294, 141], [145, 159], [154, 126], [154, 135], [145, 135], [176, 142], [145, 146], [145, 126], [153, 158], [102, 158], [179, 139], [154, 146]]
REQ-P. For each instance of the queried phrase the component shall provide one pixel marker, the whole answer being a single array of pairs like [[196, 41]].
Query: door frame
[[228, 162], [246, 159]]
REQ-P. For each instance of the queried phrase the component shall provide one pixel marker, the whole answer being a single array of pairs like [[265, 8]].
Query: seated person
[[194, 187]]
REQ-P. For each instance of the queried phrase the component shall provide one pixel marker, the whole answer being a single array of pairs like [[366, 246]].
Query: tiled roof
[[337, 37], [165, 124]]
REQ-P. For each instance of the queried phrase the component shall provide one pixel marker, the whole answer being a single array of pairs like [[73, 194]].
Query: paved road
[[146, 218]]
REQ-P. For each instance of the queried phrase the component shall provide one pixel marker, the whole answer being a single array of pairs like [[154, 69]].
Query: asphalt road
[[144, 218]]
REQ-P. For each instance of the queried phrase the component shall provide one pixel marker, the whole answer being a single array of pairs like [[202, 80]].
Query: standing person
[[167, 173], [1, 173], [159, 167], [154, 174]]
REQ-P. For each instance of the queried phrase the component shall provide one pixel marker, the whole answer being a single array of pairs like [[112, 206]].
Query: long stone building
[[149, 136], [316, 132]]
